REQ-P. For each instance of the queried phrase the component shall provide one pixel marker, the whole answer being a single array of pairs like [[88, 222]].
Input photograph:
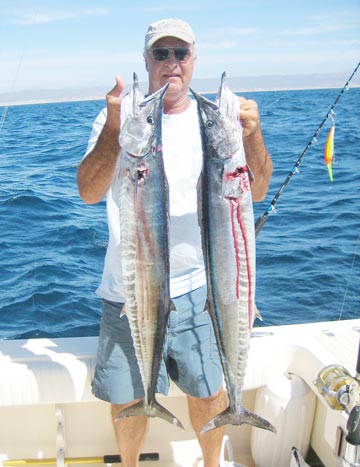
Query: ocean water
[[52, 245]]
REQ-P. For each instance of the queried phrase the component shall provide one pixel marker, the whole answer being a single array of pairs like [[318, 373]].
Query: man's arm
[[257, 156], [96, 171]]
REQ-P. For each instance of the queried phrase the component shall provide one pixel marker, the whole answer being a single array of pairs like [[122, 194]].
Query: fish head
[[220, 134], [135, 95], [141, 133], [228, 102], [221, 89]]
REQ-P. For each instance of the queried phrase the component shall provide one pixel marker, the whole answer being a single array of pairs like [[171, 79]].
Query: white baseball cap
[[169, 28]]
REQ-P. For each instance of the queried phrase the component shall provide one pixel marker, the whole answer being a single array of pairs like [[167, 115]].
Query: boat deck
[[47, 409]]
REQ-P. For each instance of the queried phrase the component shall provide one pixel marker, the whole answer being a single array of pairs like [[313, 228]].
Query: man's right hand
[[113, 104], [96, 171]]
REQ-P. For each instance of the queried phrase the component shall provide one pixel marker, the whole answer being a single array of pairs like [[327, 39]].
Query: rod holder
[[351, 457]]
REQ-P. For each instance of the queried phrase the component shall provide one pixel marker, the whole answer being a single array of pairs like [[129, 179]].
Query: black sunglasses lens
[[160, 54], [181, 53]]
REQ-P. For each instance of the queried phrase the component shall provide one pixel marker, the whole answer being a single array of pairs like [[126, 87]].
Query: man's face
[[177, 73]]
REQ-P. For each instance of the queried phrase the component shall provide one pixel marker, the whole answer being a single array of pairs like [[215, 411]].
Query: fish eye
[[150, 119], [209, 124]]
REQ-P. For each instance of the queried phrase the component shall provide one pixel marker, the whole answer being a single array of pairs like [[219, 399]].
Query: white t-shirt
[[182, 159]]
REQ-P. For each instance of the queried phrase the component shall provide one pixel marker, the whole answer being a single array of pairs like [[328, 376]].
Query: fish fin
[[154, 409], [206, 306], [258, 314], [228, 417], [157, 410], [255, 315], [251, 175]]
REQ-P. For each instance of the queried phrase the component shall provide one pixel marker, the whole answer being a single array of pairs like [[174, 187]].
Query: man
[[170, 56]]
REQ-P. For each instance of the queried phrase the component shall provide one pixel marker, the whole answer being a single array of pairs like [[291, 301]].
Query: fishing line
[[6, 108], [12, 88], [348, 281], [271, 208], [3, 116]]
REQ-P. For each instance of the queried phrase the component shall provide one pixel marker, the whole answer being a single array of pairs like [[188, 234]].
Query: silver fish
[[144, 230], [136, 96], [228, 241]]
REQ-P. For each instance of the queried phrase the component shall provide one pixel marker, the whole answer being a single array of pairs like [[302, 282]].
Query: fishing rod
[[262, 219]]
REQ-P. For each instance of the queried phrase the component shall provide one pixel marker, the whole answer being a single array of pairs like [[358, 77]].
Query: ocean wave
[[52, 245]]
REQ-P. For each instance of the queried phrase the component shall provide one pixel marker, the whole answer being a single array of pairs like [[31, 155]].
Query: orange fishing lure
[[329, 151]]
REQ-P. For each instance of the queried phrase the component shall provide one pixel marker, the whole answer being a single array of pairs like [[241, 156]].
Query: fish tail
[[229, 417], [153, 409], [157, 410]]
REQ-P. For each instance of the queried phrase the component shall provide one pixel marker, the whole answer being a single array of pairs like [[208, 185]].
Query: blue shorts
[[190, 356]]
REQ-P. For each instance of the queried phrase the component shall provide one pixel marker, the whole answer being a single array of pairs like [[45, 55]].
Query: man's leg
[[201, 410], [117, 379], [130, 435], [194, 365]]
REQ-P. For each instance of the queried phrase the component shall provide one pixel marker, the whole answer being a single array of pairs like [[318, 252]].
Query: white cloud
[[278, 63], [63, 61], [314, 30], [236, 32], [243, 31], [31, 17], [328, 22], [211, 46]]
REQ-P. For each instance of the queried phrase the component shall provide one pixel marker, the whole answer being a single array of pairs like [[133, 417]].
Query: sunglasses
[[160, 54]]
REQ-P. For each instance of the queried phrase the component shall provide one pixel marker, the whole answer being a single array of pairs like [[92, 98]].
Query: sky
[[71, 44]]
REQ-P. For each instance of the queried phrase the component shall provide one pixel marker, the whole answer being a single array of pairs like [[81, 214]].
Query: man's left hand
[[249, 116]]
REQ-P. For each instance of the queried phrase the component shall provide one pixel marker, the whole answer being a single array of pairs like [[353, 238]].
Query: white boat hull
[[47, 409]]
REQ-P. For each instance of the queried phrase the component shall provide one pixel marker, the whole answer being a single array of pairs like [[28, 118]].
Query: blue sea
[[52, 245]]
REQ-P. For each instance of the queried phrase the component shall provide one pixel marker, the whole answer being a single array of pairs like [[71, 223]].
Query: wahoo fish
[[144, 231], [228, 241]]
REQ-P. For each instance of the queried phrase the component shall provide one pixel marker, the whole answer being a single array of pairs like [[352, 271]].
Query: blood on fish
[[237, 221], [241, 174], [233, 206], [248, 269], [142, 173]]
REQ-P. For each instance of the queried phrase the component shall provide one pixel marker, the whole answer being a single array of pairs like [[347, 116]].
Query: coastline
[[50, 101], [238, 84], [101, 97]]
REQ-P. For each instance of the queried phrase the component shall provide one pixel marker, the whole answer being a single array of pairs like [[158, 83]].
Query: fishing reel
[[340, 390]]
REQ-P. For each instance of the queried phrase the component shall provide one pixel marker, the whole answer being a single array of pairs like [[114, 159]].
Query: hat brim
[[157, 37]]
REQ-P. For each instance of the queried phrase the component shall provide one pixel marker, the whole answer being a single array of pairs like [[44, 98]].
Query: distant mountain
[[237, 84], [278, 82], [34, 95]]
